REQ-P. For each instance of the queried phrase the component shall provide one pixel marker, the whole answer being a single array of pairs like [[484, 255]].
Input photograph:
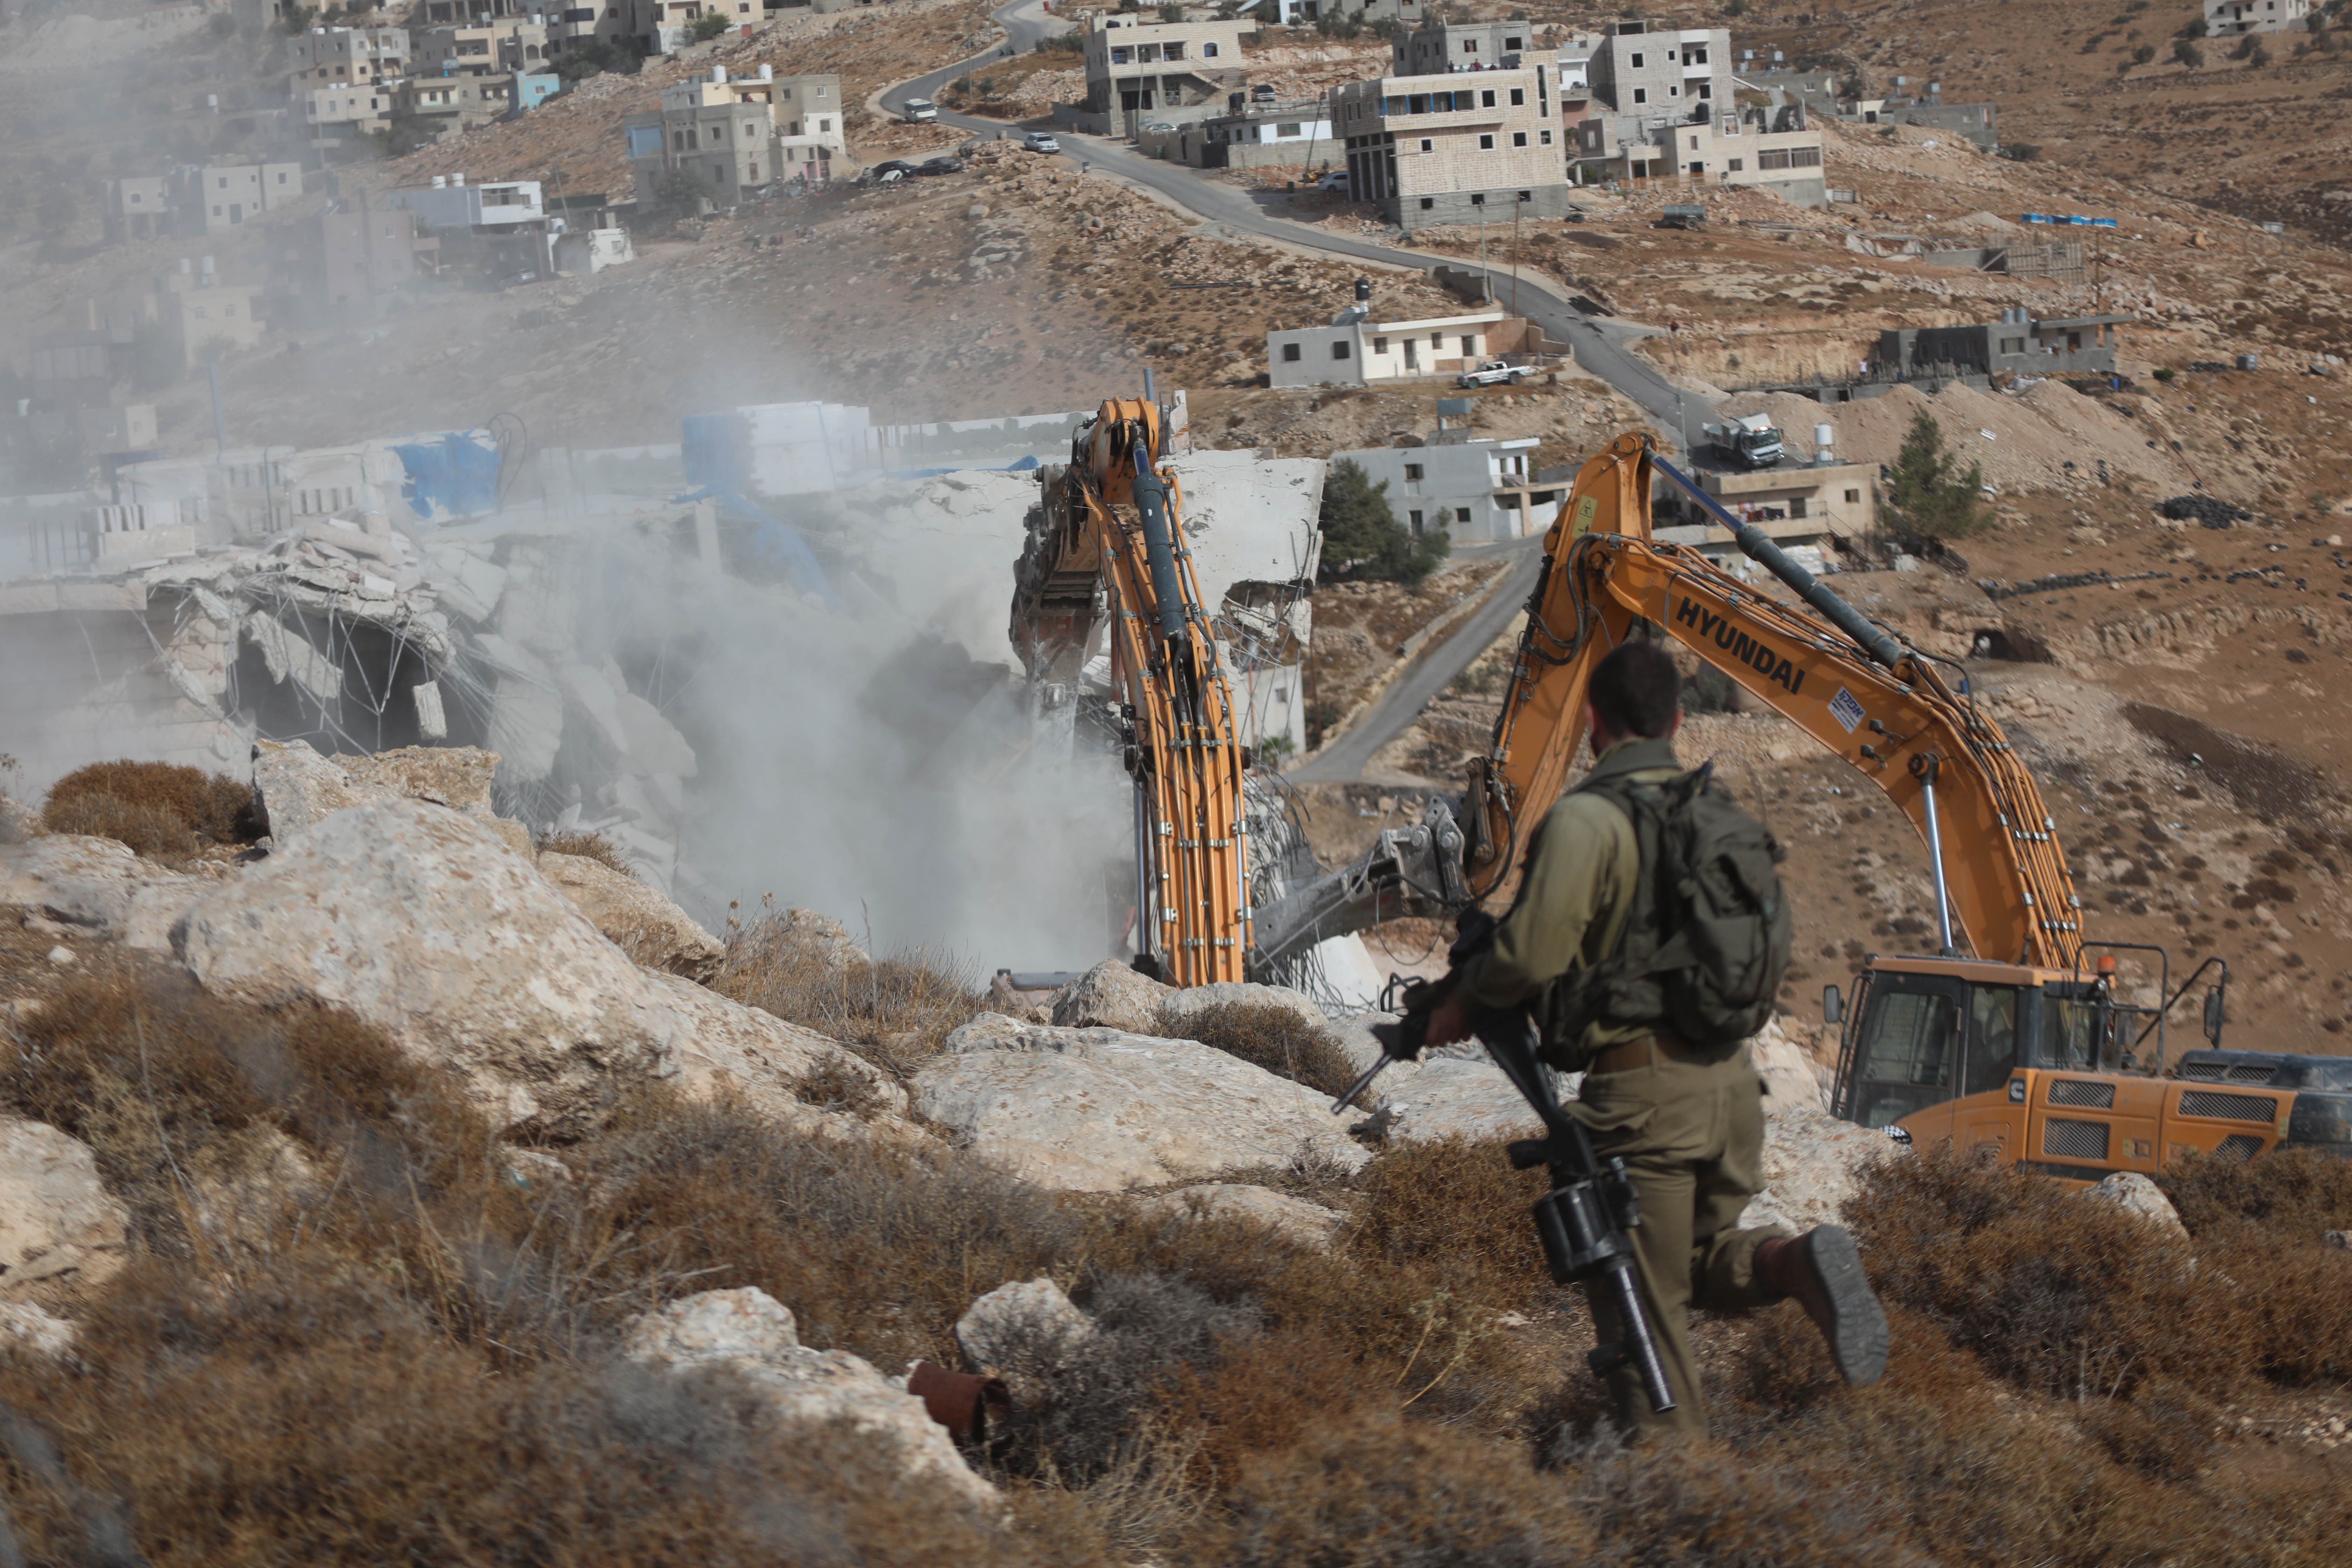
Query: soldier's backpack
[[1706, 945]]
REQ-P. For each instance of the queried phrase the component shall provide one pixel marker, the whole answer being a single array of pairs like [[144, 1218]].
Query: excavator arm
[[1883, 706], [2002, 879], [1106, 553]]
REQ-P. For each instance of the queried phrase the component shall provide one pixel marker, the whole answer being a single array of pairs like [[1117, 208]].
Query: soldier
[[1688, 1119]]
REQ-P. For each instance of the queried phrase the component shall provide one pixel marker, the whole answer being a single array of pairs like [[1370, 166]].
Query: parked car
[[1337, 180], [942, 166], [897, 169], [1158, 125], [917, 110], [1263, 92], [1494, 372], [1041, 142]]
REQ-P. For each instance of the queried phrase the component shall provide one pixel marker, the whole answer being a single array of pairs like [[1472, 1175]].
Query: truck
[[1750, 440], [1494, 372]]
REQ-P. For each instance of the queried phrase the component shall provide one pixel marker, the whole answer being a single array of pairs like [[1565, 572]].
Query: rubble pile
[[2209, 511]]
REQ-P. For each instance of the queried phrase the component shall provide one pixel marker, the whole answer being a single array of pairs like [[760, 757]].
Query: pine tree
[[1926, 495], [1362, 539]]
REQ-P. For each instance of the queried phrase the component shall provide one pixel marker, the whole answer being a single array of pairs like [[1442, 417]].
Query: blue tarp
[[773, 540], [455, 477]]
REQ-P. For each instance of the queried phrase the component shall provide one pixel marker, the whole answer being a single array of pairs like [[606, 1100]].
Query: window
[[281, 179], [217, 212], [1208, 51], [1485, 143], [1518, 138], [1853, 497], [1526, 195], [2012, 345], [1173, 52], [1413, 476], [1283, 131], [1380, 345], [1427, 146], [1414, 518], [1478, 200], [1772, 158], [1462, 514], [229, 311], [1121, 57], [1804, 157], [1796, 506], [1339, 350], [1736, 165], [1705, 90], [1290, 353], [1641, 95], [1487, 99], [1518, 96], [1437, 340], [1636, 62], [224, 182], [1469, 345], [1693, 141], [1427, 203], [1544, 137], [200, 312], [1513, 44]]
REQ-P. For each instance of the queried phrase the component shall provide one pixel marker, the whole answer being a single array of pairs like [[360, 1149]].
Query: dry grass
[[588, 846], [895, 1012], [413, 1362], [1266, 1035], [162, 811], [2295, 1191]]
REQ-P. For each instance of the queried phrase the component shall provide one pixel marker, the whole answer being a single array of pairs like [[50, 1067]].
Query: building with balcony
[[347, 57], [733, 133], [1138, 72], [449, 202], [1437, 47], [1460, 148], [1643, 67], [1471, 489], [490, 47]]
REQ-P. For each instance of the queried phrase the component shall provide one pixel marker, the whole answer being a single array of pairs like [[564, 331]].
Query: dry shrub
[[1457, 1206], [2298, 1193], [165, 1082], [897, 1012], [1678, 1505], [588, 846], [2057, 1293], [314, 1418], [1381, 1493], [1275, 1038], [162, 811]]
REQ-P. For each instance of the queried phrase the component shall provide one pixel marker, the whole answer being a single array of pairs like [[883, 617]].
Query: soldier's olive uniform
[[1689, 1124]]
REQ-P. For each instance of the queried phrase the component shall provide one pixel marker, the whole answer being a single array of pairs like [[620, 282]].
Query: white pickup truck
[[1494, 372]]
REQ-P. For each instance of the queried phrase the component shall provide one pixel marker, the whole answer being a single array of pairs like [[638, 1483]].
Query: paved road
[[1345, 758], [1603, 346]]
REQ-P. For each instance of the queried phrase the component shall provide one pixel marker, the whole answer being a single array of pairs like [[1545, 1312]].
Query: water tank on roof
[[719, 75], [440, 181], [767, 73], [1824, 445]]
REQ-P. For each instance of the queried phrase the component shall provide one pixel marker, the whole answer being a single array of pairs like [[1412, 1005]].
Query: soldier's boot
[[1821, 1272]]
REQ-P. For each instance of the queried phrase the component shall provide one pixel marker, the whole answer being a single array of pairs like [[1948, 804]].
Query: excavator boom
[[1106, 554], [1882, 707]]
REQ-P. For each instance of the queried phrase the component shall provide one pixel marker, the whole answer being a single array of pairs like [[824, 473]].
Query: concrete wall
[[1326, 356]]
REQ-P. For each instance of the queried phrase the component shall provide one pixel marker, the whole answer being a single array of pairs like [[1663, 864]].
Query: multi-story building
[[1574, 57], [210, 198], [2227, 18], [335, 260], [437, 107], [338, 116], [1462, 147], [1472, 490], [1438, 46], [1771, 149], [137, 207], [735, 134], [1137, 72], [1681, 73], [1249, 136], [347, 57], [450, 204], [195, 316], [482, 48]]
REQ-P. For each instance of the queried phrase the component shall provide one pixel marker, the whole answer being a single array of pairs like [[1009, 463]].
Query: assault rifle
[[1583, 1220]]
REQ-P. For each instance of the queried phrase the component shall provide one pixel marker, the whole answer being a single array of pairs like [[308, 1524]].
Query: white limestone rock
[[638, 918], [1790, 1081], [1812, 1164], [1018, 1325], [1295, 1218], [2137, 1195], [1104, 1110], [750, 1334], [1110, 995], [57, 1220], [97, 885]]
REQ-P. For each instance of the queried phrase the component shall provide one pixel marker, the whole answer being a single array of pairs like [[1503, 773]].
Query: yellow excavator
[[2014, 1040], [1106, 560]]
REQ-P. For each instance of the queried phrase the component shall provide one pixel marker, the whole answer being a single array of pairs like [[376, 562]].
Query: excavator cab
[[1922, 1031]]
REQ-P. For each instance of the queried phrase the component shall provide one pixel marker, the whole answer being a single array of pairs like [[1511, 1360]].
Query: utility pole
[[1516, 205]]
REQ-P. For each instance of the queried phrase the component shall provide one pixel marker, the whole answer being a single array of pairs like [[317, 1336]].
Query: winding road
[[1600, 346]]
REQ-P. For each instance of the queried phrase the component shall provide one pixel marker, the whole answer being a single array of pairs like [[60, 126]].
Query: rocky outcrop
[[750, 1334], [295, 787], [636, 918], [97, 886], [1790, 1081], [717, 1047], [1178, 1007], [27, 1327], [1104, 1109], [1020, 1326], [57, 1221], [1294, 1218], [1453, 1097], [1812, 1164], [1110, 995], [2143, 1199]]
